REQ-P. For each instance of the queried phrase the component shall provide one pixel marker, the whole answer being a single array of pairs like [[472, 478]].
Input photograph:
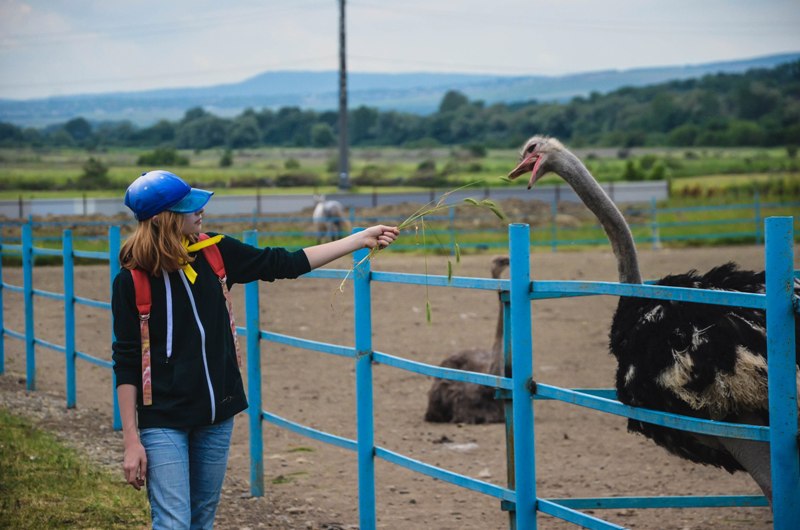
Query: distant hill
[[418, 93]]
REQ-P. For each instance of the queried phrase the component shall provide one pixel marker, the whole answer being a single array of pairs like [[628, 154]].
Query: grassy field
[[34, 173], [47, 485]]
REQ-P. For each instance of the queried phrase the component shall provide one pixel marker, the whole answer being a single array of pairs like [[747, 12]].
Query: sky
[[62, 47]]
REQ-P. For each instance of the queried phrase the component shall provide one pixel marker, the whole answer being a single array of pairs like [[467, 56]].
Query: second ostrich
[[693, 359], [460, 402]]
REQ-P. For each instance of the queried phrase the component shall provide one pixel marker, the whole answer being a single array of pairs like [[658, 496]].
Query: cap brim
[[195, 200]]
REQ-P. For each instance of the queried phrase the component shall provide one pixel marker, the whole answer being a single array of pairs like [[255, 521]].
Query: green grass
[[45, 484], [31, 173]]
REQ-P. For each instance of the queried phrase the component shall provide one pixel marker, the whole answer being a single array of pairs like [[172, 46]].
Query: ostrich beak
[[532, 163]]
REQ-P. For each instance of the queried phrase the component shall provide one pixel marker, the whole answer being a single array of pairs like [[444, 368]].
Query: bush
[[27, 184], [451, 167], [370, 175], [162, 156], [251, 181], [427, 181], [227, 159], [659, 171], [632, 172], [95, 175], [288, 180], [292, 163], [332, 166], [673, 163], [426, 166], [648, 161], [477, 150]]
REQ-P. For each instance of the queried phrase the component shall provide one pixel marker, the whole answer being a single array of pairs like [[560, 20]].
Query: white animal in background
[[330, 222]]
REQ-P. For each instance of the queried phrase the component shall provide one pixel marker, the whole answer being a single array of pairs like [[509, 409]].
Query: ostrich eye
[[531, 148]]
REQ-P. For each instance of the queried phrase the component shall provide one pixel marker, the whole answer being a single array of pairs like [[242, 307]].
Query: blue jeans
[[185, 471]]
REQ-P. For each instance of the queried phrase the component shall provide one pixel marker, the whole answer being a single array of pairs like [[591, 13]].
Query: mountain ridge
[[418, 93]]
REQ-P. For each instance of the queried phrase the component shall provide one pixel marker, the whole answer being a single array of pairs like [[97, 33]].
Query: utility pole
[[344, 165]]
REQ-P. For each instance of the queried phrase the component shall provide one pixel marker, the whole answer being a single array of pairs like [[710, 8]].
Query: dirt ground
[[313, 485]]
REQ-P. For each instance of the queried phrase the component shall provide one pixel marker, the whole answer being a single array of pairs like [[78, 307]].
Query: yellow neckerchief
[[190, 273]]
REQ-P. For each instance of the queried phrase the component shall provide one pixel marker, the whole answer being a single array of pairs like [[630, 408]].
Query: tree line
[[758, 108]]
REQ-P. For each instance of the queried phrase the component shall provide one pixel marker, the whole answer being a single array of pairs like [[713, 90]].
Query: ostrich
[[459, 402], [693, 359], [329, 219]]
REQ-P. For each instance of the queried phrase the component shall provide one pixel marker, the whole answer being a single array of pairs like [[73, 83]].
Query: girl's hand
[[379, 236], [135, 464], [374, 237]]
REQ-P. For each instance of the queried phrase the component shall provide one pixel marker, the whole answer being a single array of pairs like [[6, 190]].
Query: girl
[[177, 374]]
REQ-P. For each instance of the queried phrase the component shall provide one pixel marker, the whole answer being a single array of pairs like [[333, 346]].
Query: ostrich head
[[499, 264], [541, 155]]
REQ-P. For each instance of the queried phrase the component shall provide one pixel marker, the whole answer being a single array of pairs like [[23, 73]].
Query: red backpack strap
[[214, 258], [141, 287]]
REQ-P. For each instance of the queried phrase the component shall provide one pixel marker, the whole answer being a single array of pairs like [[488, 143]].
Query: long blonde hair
[[156, 244]]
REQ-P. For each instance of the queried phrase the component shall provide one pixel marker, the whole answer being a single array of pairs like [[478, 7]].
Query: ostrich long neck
[[496, 366], [497, 347], [619, 234]]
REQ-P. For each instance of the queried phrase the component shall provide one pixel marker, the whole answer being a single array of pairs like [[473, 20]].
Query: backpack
[[141, 286]]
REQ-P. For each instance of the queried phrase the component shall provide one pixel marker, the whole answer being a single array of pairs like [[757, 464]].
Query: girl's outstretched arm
[[374, 236]]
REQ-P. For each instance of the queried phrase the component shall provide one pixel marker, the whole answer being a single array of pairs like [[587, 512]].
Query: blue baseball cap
[[156, 191]]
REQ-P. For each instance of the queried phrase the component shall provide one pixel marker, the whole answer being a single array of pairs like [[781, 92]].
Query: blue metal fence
[[520, 495]]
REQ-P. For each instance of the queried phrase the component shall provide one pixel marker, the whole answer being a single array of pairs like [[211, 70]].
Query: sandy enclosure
[[578, 452]]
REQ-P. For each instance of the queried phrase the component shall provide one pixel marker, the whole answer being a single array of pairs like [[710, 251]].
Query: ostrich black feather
[[699, 360]]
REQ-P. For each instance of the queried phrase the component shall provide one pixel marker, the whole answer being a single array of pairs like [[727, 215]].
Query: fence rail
[[519, 497]]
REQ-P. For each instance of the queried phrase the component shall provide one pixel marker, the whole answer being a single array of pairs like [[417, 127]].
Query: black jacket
[[199, 382]]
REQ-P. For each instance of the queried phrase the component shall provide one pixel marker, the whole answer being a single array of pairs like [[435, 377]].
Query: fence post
[[69, 316], [781, 373], [508, 411], [364, 397], [113, 269], [2, 320], [757, 215], [27, 289], [253, 330], [451, 220], [522, 371], [654, 224], [553, 224]]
